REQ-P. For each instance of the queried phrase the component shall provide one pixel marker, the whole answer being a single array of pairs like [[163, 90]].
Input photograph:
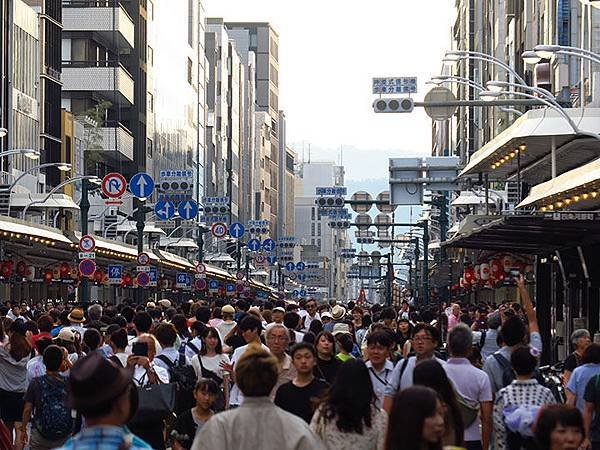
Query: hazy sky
[[329, 51]]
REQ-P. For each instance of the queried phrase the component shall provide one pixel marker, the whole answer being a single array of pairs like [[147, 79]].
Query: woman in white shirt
[[212, 363]]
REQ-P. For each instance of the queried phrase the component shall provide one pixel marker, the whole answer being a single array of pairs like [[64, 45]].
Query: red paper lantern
[[469, 275], [98, 276], [484, 268], [507, 263], [65, 270], [477, 272], [495, 268], [127, 280], [6, 269], [48, 275], [22, 268]]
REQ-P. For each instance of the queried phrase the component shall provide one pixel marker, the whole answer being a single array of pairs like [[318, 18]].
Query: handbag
[[219, 404], [156, 402]]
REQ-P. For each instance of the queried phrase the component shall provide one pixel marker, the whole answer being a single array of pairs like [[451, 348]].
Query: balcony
[[107, 78], [104, 17], [112, 143]]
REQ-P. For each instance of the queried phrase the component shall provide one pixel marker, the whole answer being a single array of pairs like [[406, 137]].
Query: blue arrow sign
[[164, 210], [290, 266], [269, 245], [300, 266], [141, 185], [254, 245], [271, 259], [296, 293], [237, 230], [301, 277], [302, 293], [188, 210]]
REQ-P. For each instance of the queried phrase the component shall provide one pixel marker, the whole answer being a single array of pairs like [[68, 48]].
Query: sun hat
[[338, 312], [76, 316], [66, 334], [165, 303], [341, 328], [228, 309]]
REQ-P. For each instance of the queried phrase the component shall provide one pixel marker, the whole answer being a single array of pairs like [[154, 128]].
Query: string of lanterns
[[509, 156], [491, 272]]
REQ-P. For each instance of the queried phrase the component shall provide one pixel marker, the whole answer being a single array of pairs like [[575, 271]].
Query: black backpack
[[185, 378]]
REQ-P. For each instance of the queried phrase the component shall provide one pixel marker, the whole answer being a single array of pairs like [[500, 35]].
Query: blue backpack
[[53, 420]]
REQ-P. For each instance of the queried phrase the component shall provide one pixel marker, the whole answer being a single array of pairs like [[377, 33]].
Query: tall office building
[[261, 39]]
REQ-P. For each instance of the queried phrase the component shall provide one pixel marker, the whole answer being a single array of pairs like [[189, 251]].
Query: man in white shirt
[[425, 341], [194, 343], [146, 370], [472, 384], [228, 324], [311, 314], [250, 327], [166, 334], [379, 365]]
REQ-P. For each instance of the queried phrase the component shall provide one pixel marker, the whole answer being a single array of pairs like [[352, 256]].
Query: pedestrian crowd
[[237, 374]]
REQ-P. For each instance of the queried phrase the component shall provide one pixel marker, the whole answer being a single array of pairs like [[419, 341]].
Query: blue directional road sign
[[271, 259], [269, 245], [301, 277], [290, 266], [254, 245], [188, 209], [296, 293], [237, 230], [164, 210], [300, 266], [302, 293], [141, 185]]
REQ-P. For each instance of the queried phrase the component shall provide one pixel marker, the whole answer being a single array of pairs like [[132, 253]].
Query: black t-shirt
[[299, 400], [327, 370], [572, 362]]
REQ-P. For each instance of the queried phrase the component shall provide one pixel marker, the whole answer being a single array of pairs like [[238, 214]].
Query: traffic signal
[[365, 240], [216, 209], [340, 224], [330, 202], [394, 105]]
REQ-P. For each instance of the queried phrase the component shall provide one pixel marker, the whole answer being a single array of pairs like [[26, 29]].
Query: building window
[[150, 10], [312, 213], [150, 102], [190, 71], [150, 56], [191, 23], [149, 147], [319, 229], [319, 243], [312, 229]]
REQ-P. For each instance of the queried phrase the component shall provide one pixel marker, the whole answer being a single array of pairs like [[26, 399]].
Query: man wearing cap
[[101, 392], [278, 314]]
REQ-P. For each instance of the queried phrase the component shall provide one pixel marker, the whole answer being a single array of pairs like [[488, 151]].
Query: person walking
[[298, 395], [327, 364], [518, 402], [560, 427], [277, 337], [379, 365], [590, 366], [348, 418], [52, 423], [416, 420], [580, 340], [425, 341], [101, 392], [257, 423], [473, 385]]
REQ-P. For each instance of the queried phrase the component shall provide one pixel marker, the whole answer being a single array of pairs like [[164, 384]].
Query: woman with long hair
[[430, 373], [416, 420], [405, 335], [14, 356], [348, 418], [327, 364], [211, 363]]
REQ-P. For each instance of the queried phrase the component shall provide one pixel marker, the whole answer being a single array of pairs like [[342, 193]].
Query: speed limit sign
[[219, 230]]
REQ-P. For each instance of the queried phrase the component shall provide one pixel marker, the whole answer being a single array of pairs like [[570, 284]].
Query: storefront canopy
[[55, 201], [536, 130], [578, 188], [532, 234], [10, 227]]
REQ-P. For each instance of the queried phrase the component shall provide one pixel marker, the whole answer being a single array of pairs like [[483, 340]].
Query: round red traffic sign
[[260, 259], [240, 275], [114, 185], [143, 259], [87, 267], [219, 230], [200, 284], [200, 268], [143, 279], [87, 243], [239, 287]]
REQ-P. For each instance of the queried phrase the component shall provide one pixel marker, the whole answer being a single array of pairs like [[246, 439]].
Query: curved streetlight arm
[[474, 85], [594, 59], [575, 51], [31, 169], [558, 109], [105, 234], [133, 229], [56, 189], [489, 58], [18, 152], [538, 90]]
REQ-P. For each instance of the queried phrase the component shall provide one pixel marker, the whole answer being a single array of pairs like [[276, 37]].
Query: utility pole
[[140, 224], [425, 261], [84, 206]]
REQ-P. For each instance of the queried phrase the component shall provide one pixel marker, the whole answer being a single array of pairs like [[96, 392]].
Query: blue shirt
[[104, 438], [578, 381]]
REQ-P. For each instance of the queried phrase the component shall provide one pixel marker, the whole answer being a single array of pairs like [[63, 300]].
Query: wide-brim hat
[[76, 316], [338, 312], [341, 328], [165, 303], [94, 381]]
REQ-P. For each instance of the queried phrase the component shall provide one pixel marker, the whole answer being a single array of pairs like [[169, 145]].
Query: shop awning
[[148, 228], [467, 198], [178, 243], [578, 187], [532, 234], [107, 248], [217, 272], [174, 260], [20, 228], [55, 201], [536, 130], [219, 258]]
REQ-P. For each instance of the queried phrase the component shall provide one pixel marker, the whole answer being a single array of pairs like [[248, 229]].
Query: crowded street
[[271, 225]]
